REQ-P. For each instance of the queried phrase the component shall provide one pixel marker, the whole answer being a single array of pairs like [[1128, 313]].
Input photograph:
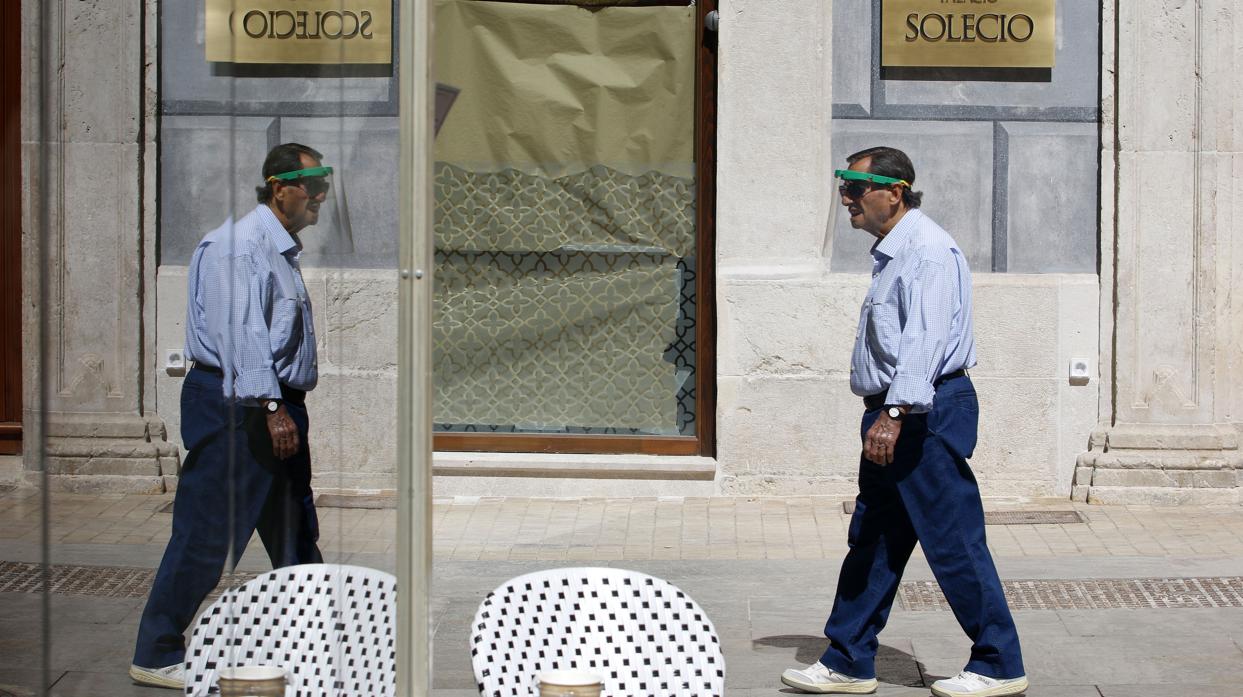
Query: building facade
[[681, 221]]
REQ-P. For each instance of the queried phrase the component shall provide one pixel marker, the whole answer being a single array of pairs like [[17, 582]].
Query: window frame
[[703, 442]]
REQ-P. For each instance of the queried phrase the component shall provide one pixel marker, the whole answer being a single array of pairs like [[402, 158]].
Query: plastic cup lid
[[251, 673], [576, 678]]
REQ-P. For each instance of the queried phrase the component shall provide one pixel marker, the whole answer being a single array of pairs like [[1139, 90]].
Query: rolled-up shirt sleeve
[[242, 285], [930, 300]]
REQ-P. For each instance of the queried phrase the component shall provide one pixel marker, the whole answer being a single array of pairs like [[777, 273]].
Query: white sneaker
[[968, 684], [173, 677], [821, 680]]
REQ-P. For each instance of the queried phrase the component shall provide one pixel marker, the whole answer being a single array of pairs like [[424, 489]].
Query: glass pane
[[214, 356], [565, 220]]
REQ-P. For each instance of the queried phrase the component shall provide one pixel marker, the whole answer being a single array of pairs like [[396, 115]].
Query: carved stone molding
[[1170, 431], [90, 147], [1169, 465], [102, 452]]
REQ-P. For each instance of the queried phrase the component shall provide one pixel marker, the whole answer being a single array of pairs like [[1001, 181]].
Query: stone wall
[[789, 112], [1172, 418], [1008, 163], [1010, 169], [88, 150]]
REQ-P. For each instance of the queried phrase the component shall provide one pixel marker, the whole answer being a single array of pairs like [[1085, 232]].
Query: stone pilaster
[[89, 152], [1173, 417]]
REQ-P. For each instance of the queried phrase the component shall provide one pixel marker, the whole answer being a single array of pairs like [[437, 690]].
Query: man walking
[[912, 351], [243, 415]]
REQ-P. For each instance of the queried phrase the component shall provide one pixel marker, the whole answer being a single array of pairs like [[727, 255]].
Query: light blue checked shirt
[[248, 311], [915, 324]]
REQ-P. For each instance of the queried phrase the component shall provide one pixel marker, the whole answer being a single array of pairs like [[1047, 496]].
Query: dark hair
[[286, 157], [892, 162]]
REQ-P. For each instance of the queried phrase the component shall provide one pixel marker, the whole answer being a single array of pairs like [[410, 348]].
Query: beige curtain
[[565, 200]]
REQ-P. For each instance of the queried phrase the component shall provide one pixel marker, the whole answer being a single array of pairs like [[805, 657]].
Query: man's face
[[295, 207], [872, 209]]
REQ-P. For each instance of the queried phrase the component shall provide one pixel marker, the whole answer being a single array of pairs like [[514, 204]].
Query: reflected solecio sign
[[968, 33], [302, 32]]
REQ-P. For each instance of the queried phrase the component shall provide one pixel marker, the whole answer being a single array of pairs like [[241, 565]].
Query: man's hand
[[284, 434], [881, 438]]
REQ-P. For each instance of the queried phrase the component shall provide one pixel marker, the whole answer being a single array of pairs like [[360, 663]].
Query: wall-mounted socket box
[[174, 362], [1080, 371]]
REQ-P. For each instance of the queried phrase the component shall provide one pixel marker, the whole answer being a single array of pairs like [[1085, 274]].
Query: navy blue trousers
[[928, 495], [231, 485]]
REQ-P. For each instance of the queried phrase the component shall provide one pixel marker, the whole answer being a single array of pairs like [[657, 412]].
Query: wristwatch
[[894, 413], [271, 406]]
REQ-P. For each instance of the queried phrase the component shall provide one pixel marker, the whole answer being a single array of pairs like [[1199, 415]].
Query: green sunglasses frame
[[852, 175], [300, 173]]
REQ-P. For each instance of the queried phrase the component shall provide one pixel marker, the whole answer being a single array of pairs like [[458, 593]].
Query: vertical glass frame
[[46, 168]]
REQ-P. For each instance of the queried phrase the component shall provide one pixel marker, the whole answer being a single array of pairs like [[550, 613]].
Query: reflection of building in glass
[[579, 309]]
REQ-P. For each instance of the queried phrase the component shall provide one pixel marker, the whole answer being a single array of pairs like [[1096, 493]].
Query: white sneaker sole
[[863, 687], [1007, 690], [146, 677]]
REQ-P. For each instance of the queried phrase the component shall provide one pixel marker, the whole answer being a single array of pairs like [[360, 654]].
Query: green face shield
[[855, 184], [316, 180]]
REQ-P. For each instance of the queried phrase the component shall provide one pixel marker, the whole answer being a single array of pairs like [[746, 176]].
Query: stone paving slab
[[91, 645], [1189, 689], [555, 529], [762, 568]]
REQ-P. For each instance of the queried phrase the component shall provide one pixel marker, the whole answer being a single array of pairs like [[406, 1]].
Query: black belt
[[289, 394], [208, 369], [876, 401]]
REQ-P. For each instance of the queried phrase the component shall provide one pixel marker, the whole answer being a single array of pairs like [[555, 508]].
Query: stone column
[[89, 123], [1172, 420]]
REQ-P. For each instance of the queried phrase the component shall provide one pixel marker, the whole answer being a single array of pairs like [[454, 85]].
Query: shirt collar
[[277, 232], [892, 243]]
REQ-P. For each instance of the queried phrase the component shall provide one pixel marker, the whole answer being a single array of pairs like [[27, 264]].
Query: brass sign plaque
[[968, 33], [300, 31]]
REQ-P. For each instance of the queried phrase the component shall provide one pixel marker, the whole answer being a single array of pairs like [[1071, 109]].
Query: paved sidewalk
[[1133, 601]]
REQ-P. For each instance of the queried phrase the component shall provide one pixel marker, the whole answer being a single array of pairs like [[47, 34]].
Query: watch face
[[272, 407], [895, 413]]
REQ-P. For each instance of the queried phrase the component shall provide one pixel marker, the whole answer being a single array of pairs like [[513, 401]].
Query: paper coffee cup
[[570, 683], [251, 681]]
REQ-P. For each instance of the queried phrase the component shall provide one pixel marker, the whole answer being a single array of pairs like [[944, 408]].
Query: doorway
[[10, 231]]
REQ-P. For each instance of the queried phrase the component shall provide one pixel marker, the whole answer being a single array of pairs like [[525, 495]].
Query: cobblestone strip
[[1094, 594], [913, 596], [95, 581]]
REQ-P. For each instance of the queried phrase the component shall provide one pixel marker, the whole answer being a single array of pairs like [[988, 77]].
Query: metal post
[[414, 358]]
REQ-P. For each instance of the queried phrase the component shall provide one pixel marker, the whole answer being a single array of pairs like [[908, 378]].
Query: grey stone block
[[98, 466], [23, 680], [102, 484], [103, 99], [1181, 622], [1196, 479], [953, 167], [1074, 80], [209, 168], [1184, 688], [1163, 496], [114, 682], [1145, 658], [852, 56], [189, 84], [1052, 199], [358, 228]]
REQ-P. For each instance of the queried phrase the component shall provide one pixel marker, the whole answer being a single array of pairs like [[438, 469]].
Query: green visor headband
[[299, 173], [852, 175]]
